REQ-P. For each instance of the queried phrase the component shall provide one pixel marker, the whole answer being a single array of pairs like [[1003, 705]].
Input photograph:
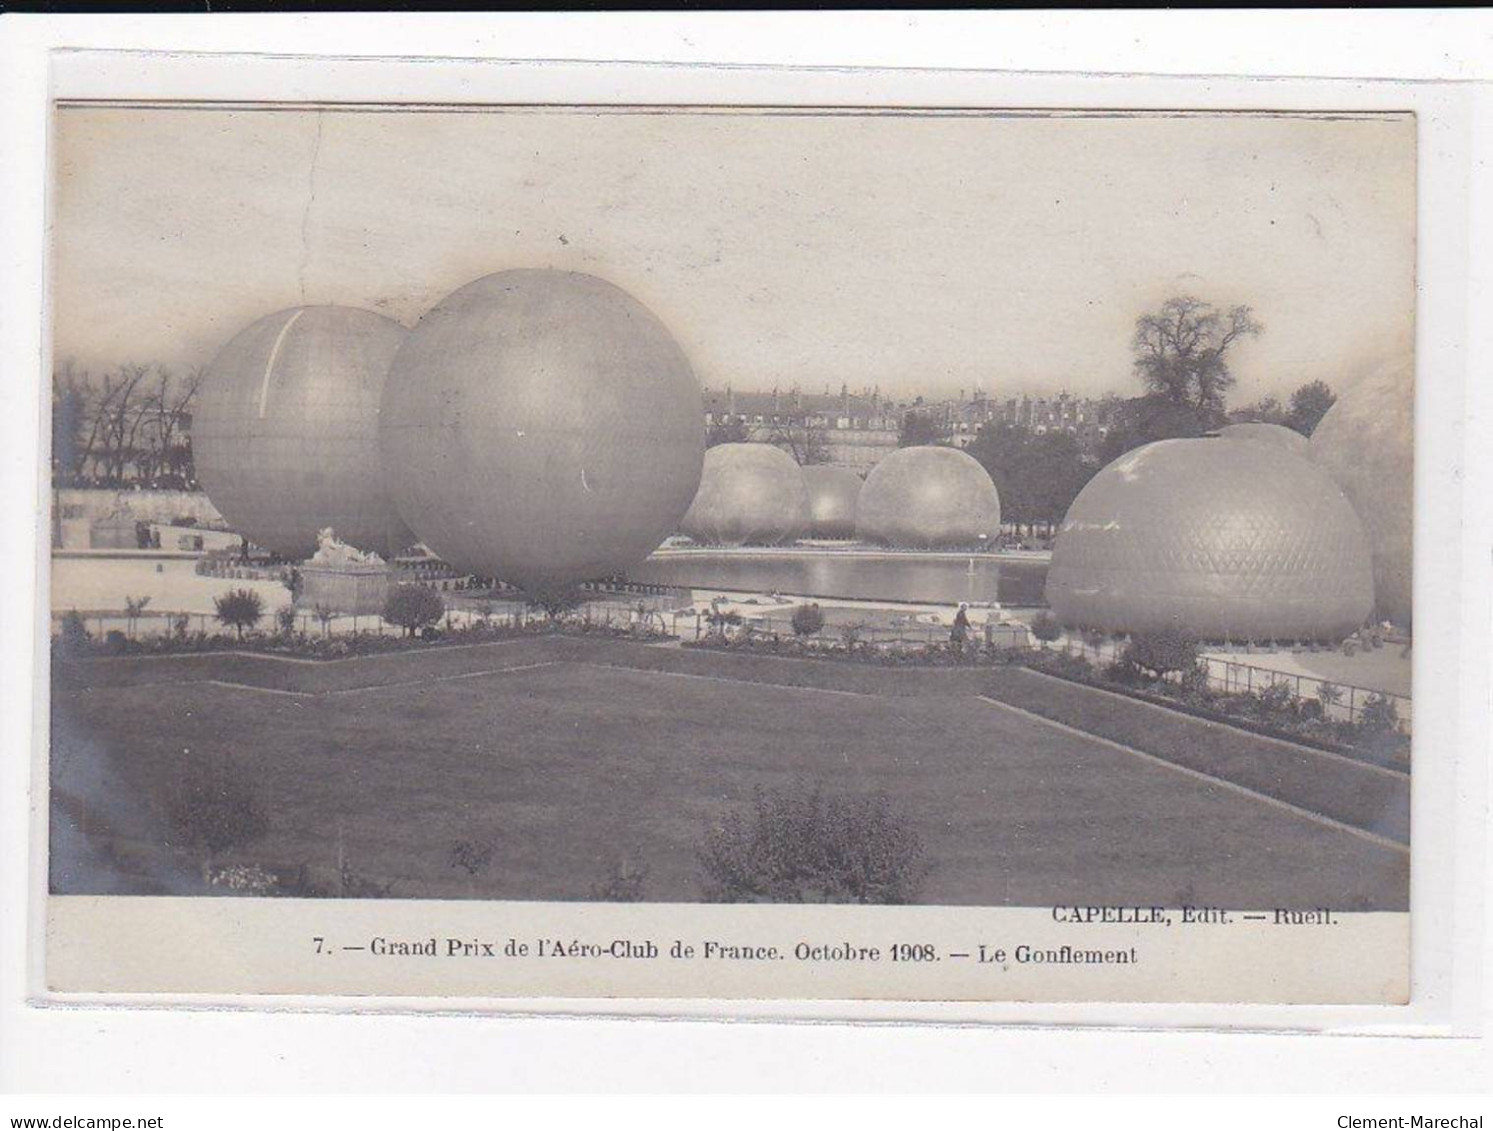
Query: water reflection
[[912, 579]]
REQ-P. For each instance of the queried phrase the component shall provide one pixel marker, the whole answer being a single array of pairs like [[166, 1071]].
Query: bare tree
[[801, 439], [1180, 350], [163, 414], [131, 424], [118, 416]]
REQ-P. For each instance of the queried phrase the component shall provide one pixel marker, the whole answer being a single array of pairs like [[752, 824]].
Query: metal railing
[[1344, 701]]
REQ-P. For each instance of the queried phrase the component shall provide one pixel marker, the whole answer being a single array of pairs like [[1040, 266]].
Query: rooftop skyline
[[920, 254]]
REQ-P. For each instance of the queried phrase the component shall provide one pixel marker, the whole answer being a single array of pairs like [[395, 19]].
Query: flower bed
[[1275, 715], [341, 645], [942, 655]]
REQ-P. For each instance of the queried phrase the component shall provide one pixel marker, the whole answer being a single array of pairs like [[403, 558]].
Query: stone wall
[[94, 503]]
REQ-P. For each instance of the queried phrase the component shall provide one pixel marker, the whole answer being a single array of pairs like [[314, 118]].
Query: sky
[[920, 254]]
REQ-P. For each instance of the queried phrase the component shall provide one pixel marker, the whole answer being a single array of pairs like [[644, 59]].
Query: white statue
[[332, 552]]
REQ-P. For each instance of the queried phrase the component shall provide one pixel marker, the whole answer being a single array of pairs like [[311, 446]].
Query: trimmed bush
[[239, 609], [1162, 652], [413, 607], [803, 846], [1045, 628], [807, 620], [556, 601]]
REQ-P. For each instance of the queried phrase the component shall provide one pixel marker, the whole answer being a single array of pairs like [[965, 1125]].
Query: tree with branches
[[801, 439], [1181, 351], [1309, 404]]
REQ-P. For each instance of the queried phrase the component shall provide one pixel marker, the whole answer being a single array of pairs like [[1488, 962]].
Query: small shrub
[[1162, 652], [1378, 715], [555, 601], [133, 607], [472, 857], [412, 607], [802, 846], [1045, 628], [1122, 670], [1195, 681], [850, 634], [115, 642], [239, 609], [213, 808], [74, 632], [624, 882], [1277, 699], [1329, 695], [181, 625], [285, 619], [807, 620]]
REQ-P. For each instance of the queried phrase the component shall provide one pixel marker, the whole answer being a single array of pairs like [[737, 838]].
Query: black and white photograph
[[612, 507]]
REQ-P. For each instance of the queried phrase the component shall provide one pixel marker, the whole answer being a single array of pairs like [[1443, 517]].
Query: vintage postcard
[[898, 553]]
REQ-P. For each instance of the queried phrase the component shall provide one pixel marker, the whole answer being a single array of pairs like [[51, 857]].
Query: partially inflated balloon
[[928, 497], [750, 494], [285, 430], [1366, 442]]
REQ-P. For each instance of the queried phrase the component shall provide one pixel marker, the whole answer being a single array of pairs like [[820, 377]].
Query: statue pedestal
[[344, 579], [357, 589]]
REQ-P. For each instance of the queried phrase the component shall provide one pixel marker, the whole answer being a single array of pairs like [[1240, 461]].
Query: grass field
[[567, 755]]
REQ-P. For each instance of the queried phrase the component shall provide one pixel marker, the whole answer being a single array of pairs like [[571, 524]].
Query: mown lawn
[[611, 750]]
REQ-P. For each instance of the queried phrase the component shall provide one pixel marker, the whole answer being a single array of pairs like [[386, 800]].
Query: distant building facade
[[859, 428]]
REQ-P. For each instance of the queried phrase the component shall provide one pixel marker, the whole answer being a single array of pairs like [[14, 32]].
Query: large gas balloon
[[833, 492], [750, 494], [929, 497], [542, 427], [285, 430], [1219, 539], [1366, 442]]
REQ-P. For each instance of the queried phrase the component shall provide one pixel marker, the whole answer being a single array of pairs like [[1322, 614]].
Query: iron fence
[[1339, 700]]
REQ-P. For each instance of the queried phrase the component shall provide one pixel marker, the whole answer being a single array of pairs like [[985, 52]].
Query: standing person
[[960, 632]]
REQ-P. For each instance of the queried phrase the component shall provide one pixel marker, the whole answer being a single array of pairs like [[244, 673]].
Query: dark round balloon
[[285, 430], [1366, 442], [833, 493], [929, 497], [1220, 539], [542, 427], [750, 494]]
